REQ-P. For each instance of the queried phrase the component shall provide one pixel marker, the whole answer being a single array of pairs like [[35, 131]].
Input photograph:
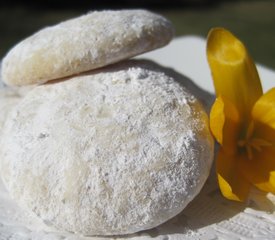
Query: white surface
[[209, 216], [187, 55]]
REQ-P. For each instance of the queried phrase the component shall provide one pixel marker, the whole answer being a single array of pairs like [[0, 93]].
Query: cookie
[[8, 99], [84, 43], [110, 152]]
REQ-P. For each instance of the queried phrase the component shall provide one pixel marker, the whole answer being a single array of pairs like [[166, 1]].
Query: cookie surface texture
[[84, 43], [8, 99], [112, 152]]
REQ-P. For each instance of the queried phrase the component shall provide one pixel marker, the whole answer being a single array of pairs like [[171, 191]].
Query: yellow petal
[[225, 124], [233, 184], [264, 109], [264, 132], [260, 170], [234, 73]]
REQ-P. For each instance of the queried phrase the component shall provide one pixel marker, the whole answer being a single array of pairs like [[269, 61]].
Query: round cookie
[[106, 153], [84, 43]]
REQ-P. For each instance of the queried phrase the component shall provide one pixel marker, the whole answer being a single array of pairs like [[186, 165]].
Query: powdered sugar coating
[[112, 152], [84, 43], [8, 99]]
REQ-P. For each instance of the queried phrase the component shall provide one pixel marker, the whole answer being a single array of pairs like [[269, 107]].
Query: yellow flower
[[242, 119]]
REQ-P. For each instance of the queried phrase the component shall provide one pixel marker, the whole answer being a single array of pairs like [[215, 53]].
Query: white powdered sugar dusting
[[8, 99], [111, 152], [84, 43]]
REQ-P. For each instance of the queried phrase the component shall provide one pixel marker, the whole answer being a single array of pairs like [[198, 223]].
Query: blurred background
[[253, 21]]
